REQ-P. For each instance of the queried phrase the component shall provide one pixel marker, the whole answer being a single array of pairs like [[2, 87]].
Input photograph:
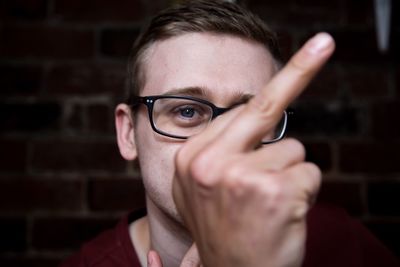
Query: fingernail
[[149, 259], [319, 42]]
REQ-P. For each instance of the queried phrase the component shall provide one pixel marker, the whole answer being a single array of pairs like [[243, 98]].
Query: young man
[[205, 119]]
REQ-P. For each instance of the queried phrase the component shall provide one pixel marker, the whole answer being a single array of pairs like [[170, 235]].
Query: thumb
[[191, 258], [153, 259]]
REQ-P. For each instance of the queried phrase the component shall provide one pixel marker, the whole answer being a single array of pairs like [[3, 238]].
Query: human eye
[[176, 114], [189, 115], [188, 112]]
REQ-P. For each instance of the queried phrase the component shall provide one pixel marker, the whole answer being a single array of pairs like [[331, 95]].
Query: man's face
[[222, 69]]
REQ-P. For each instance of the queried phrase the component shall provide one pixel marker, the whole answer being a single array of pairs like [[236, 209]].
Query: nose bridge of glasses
[[161, 108]]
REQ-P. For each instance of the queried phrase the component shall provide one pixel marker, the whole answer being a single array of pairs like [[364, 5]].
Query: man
[[205, 119]]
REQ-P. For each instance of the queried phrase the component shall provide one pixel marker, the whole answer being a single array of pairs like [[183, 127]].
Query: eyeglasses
[[184, 116]]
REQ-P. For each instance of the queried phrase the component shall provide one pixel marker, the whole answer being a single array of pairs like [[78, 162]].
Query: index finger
[[191, 258], [265, 110]]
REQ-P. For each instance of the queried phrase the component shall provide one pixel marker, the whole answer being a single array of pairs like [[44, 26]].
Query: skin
[[196, 189]]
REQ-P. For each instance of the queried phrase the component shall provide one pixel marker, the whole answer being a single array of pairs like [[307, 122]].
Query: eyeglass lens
[[186, 117]]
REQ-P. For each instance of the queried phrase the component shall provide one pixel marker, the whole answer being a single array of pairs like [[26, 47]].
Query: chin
[[163, 207], [173, 214]]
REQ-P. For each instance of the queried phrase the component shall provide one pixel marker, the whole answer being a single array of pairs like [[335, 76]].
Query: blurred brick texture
[[62, 71]]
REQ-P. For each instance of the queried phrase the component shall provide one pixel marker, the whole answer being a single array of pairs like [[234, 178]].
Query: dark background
[[62, 71]]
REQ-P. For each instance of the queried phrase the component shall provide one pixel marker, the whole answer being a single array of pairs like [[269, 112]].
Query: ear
[[124, 124]]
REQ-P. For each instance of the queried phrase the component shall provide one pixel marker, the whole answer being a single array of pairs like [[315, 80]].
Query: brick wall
[[62, 70]]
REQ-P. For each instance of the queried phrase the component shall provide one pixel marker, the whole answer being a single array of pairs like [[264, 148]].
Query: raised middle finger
[[264, 110]]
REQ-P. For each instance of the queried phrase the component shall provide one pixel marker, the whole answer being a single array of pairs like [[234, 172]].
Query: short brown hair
[[212, 16]]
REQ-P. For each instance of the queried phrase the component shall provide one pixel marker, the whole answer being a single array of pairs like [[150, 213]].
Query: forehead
[[221, 64]]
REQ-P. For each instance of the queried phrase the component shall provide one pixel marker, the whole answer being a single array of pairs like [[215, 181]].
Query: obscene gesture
[[246, 204]]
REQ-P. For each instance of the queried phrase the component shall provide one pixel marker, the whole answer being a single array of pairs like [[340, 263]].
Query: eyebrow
[[189, 91], [236, 98]]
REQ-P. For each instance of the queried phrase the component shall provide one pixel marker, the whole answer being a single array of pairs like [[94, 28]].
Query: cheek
[[156, 158]]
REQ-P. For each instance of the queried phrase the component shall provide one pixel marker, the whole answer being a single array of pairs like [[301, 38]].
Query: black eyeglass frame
[[149, 101]]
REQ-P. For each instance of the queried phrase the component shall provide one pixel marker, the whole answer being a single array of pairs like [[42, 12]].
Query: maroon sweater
[[333, 240]]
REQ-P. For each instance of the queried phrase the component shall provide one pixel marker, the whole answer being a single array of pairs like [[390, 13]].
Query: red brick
[[360, 12], [117, 42], [270, 14], [40, 194], [331, 5], [116, 194], [75, 119], [381, 158], [360, 47], [100, 119], [383, 198], [29, 117], [99, 10], [20, 80], [77, 155], [13, 155], [67, 232], [13, 232], [343, 194], [325, 85], [155, 6], [25, 9], [270, 4], [300, 14], [319, 119], [320, 154], [395, 39], [86, 79], [46, 42], [383, 126], [398, 81], [286, 44], [371, 81]]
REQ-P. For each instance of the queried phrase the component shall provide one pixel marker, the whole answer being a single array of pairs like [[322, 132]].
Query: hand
[[191, 258], [245, 205]]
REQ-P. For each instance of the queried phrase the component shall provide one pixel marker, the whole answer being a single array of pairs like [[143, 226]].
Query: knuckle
[[234, 172], [299, 211], [313, 171], [235, 186], [264, 107], [296, 148], [236, 180], [190, 262], [298, 67], [281, 201], [274, 192], [202, 169], [181, 159]]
